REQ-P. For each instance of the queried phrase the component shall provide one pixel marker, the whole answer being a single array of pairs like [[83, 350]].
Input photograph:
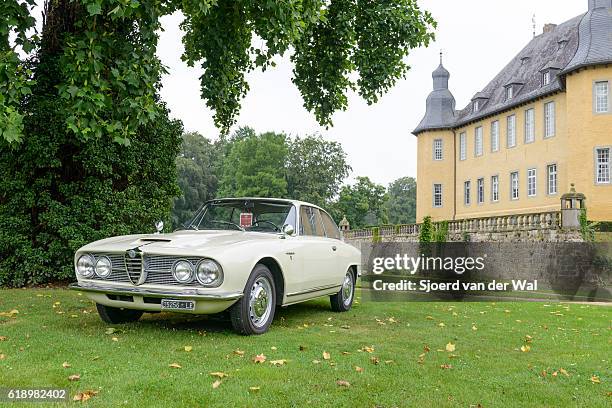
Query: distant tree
[[196, 166], [363, 204], [315, 169], [255, 166], [401, 206]]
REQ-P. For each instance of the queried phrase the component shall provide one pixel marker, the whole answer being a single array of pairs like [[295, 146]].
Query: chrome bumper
[[194, 294]]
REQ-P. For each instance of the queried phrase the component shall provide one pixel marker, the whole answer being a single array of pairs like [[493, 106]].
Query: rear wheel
[[116, 315], [254, 312], [343, 300]]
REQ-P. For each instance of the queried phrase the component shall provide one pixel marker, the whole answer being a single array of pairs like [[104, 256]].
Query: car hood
[[178, 240]]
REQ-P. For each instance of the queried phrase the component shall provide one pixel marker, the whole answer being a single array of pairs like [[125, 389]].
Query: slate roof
[[582, 41]]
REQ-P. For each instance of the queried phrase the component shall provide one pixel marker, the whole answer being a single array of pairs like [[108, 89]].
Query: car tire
[[343, 300], [115, 315], [254, 312]]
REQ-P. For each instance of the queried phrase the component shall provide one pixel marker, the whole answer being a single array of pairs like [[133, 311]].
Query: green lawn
[[131, 367]]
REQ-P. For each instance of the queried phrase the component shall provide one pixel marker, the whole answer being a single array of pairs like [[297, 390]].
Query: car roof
[[279, 200]]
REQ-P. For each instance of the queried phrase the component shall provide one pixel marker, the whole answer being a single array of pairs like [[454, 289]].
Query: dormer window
[[476, 106], [546, 78], [509, 92], [524, 60], [562, 44]]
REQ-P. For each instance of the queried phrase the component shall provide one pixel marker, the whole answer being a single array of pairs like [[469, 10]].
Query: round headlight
[[183, 271], [209, 272], [104, 267], [85, 266]]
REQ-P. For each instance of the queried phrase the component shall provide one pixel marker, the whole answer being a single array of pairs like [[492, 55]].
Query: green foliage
[[441, 232], [362, 203], [587, 230], [255, 167], [376, 238], [315, 169], [426, 232], [401, 206], [197, 168]]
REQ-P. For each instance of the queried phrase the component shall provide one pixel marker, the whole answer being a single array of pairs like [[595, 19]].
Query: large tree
[[363, 204], [401, 206], [315, 169]]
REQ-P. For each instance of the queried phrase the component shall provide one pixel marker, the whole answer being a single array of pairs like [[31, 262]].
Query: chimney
[[549, 27]]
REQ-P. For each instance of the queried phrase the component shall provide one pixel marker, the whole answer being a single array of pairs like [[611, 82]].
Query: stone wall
[[539, 227]]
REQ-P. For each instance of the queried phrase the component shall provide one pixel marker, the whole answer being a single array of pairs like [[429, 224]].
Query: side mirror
[[159, 226], [288, 229]]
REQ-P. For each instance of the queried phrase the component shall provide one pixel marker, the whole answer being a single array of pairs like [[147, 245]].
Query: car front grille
[[157, 268]]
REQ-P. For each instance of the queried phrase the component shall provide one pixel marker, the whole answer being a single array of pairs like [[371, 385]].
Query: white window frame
[[530, 125], [601, 96], [476, 106], [495, 188], [478, 142], [437, 195], [467, 190], [495, 136], [509, 92], [438, 149], [462, 146], [550, 125], [546, 78], [511, 131], [532, 182], [602, 165], [514, 185], [480, 191], [551, 179]]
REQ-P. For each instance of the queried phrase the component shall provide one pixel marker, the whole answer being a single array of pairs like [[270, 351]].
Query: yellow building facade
[[544, 123]]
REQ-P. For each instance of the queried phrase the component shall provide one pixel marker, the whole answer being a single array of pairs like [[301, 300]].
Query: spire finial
[[441, 53], [533, 20]]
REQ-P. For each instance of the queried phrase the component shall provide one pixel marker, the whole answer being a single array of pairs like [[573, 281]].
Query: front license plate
[[170, 304]]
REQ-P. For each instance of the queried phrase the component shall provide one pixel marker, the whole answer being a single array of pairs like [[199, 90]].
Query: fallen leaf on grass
[[374, 360], [74, 377], [426, 348], [115, 339], [260, 358], [345, 353], [389, 361], [3, 338], [302, 348], [278, 362], [2, 356], [450, 347], [239, 352], [316, 362], [66, 364], [175, 365], [429, 317], [85, 395], [345, 327], [273, 348], [441, 324], [595, 379], [359, 369], [343, 383], [326, 355], [368, 349], [219, 374], [446, 366], [564, 372], [474, 328], [216, 384], [188, 349], [110, 330], [254, 389], [526, 348], [12, 313]]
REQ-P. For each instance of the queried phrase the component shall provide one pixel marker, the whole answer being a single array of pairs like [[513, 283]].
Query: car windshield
[[245, 215]]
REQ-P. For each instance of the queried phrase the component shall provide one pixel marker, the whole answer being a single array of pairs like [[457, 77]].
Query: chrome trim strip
[[313, 290], [184, 294]]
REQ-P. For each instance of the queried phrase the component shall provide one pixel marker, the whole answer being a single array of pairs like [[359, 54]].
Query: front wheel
[[254, 312], [343, 300], [115, 315]]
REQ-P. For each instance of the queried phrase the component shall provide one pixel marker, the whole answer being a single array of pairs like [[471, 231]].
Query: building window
[[466, 193], [551, 169], [481, 193], [476, 106], [549, 119], [495, 136], [603, 165], [462, 146], [529, 125], [437, 149], [495, 188], [437, 195], [546, 78], [478, 142], [514, 185], [511, 131], [602, 97], [509, 93], [531, 182]]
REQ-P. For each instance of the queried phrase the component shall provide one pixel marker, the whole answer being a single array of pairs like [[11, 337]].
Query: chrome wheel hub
[[347, 289], [260, 302]]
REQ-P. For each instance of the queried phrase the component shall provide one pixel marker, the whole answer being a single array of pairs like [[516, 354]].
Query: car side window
[[310, 222], [331, 230]]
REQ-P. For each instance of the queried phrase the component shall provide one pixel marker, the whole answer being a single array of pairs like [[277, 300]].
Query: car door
[[318, 253]]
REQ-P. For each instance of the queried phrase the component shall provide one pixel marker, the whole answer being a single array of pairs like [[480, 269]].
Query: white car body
[[304, 267]]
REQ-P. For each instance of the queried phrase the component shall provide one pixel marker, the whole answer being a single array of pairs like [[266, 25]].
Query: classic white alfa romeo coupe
[[247, 255]]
